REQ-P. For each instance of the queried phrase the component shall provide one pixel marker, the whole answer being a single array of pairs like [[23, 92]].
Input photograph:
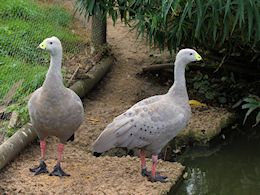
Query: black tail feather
[[97, 154], [71, 138]]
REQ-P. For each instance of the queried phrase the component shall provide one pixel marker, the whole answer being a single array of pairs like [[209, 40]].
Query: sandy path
[[90, 175]]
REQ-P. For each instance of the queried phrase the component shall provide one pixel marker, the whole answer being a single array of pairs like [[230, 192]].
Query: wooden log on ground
[[11, 147], [24, 136], [95, 74]]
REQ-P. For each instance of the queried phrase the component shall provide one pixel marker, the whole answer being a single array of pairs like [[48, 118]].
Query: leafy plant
[[251, 103], [230, 26]]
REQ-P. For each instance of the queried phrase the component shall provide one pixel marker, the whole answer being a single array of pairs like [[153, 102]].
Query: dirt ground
[[120, 89]]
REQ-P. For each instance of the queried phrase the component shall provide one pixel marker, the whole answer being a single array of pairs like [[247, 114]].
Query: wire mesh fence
[[24, 24]]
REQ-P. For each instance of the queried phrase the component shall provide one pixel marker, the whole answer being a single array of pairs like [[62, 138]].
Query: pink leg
[[142, 159], [156, 176], [43, 148], [60, 151], [57, 171], [42, 168], [155, 161]]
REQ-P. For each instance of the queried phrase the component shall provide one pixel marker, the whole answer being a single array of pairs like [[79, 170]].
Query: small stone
[[185, 175]]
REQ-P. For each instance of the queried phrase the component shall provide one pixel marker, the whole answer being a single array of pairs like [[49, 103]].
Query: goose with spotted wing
[[151, 123], [54, 109]]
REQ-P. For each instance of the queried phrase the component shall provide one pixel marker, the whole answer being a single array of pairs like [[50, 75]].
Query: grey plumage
[[153, 122], [54, 109]]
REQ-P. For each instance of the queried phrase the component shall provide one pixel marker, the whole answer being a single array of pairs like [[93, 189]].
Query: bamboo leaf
[[257, 119], [227, 8], [248, 105], [251, 100], [241, 11], [248, 113], [257, 18], [249, 21]]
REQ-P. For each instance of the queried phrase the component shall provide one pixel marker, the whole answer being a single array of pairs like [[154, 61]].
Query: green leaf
[[257, 119], [250, 22], [248, 113], [227, 8], [248, 105], [251, 100]]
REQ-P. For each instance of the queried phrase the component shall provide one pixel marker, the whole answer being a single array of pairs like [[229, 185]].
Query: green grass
[[24, 24], [13, 71]]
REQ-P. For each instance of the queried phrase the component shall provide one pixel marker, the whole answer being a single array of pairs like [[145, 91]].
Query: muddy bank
[[205, 124]]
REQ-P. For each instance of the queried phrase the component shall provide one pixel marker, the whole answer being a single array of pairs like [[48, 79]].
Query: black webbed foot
[[157, 177], [57, 171], [42, 168], [146, 173]]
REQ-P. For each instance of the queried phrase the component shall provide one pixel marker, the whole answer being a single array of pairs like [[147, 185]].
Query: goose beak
[[42, 45], [198, 57]]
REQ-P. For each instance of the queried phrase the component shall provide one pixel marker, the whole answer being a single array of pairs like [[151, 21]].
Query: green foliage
[[202, 84], [24, 24], [17, 39], [214, 24], [216, 89], [13, 71], [251, 103], [22, 111]]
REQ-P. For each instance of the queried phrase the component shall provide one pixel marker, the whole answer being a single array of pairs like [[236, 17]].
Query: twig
[[221, 63], [10, 94], [73, 75]]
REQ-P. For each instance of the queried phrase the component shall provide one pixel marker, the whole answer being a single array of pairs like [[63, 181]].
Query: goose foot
[[42, 168], [57, 171], [146, 173], [157, 177]]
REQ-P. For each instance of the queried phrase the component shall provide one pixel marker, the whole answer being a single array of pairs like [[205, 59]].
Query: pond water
[[229, 168]]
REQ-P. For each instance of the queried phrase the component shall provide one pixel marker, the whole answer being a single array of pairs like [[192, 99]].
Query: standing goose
[[151, 123], [54, 109]]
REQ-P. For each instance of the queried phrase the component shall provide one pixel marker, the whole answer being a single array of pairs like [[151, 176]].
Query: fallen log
[[14, 145], [24, 136], [95, 74]]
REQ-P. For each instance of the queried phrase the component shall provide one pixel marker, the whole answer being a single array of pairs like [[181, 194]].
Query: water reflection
[[197, 182], [233, 168]]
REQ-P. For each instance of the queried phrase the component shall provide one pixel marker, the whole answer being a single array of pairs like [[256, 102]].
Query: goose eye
[[51, 43], [190, 54]]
